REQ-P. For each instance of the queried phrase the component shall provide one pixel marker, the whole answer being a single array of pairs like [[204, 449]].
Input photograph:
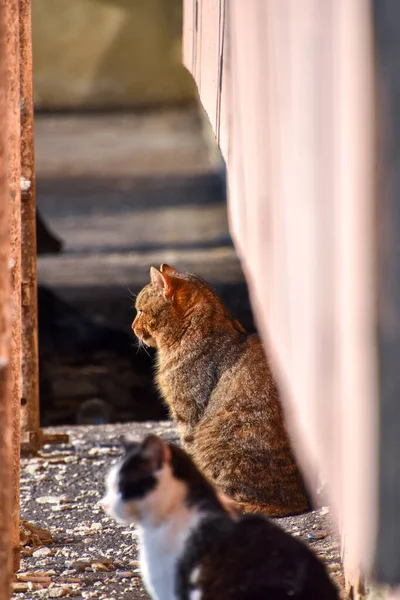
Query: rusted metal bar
[[31, 434], [12, 79], [32, 437], [5, 335]]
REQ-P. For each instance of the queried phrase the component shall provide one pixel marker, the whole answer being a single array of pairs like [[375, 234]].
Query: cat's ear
[[157, 451], [162, 281], [167, 270], [157, 278]]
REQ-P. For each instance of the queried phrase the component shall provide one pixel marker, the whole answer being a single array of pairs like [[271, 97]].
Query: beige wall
[[108, 53]]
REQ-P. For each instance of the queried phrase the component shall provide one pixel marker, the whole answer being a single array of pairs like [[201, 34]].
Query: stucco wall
[[108, 53], [288, 88]]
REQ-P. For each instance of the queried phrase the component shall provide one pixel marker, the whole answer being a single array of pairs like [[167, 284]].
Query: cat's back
[[248, 372], [241, 442], [250, 559]]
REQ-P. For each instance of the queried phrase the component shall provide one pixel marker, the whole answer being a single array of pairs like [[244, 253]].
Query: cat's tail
[[236, 508], [269, 510]]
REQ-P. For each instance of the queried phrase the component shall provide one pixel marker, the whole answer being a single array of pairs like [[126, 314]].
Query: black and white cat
[[191, 547]]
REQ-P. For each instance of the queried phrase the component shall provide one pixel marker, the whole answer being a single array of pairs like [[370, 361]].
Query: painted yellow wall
[[108, 53]]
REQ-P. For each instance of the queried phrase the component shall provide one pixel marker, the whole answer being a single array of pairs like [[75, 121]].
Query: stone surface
[[102, 562]]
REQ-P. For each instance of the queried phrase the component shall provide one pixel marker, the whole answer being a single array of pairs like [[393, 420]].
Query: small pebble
[[51, 499], [134, 563], [59, 592], [317, 535], [42, 552], [98, 566]]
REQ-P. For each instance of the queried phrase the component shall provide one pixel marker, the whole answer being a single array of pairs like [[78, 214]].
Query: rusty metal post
[[31, 434], [32, 437], [5, 399], [12, 80]]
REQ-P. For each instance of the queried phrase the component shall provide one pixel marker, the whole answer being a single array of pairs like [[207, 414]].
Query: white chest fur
[[159, 550]]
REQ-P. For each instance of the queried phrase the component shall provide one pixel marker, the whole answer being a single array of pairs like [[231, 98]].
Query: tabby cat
[[191, 548], [220, 391]]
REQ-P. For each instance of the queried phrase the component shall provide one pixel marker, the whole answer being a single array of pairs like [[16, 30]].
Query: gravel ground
[[89, 555]]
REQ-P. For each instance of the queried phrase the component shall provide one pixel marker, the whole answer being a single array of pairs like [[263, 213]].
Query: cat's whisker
[[136, 345], [142, 346], [131, 295]]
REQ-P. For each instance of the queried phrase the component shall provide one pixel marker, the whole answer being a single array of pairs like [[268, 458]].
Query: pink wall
[[288, 88]]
